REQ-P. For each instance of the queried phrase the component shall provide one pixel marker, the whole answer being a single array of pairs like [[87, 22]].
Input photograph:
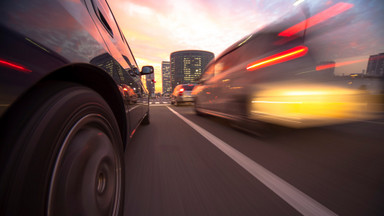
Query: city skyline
[[155, 29]]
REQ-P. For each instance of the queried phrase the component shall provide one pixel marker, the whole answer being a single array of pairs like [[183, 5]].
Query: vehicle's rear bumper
[[185, 99]]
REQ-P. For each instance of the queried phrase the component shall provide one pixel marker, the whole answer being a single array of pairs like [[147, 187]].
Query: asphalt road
[[173, 169]]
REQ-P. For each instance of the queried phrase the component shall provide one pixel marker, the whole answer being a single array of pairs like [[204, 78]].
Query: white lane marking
[[157, 102], [294, 197], [130, 110], [153, 105]]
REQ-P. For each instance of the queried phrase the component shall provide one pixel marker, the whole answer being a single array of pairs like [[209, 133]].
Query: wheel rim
[[87, 173]]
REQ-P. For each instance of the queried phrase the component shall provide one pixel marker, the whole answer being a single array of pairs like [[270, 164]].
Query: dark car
[[182, 94], [71, 98], [321, 65]]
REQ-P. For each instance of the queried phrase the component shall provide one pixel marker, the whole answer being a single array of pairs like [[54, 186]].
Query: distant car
[[182, 94], [166, 95], [302, 70], [71, 99]]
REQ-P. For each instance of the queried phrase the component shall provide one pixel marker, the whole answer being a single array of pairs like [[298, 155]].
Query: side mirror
[[147, 70]]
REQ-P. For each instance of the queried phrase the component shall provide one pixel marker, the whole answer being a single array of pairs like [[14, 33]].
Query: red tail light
[[14, 66], [181, 91], [278, 58]]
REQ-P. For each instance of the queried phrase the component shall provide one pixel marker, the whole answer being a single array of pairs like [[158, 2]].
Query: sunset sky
[[156, 28]]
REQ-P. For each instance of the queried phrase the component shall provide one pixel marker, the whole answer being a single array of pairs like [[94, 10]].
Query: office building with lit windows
[[188, 65], [166, 74]]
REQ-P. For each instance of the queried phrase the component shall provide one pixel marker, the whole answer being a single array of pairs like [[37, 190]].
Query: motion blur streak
[[334, 65], [317, 18], [279, 58], [307, 106], [294, 197], [14, 66]]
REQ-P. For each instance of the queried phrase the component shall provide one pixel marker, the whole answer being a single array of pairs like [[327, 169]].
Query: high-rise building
[[166, 72], [375, 65], [188, 65], [151, 84]]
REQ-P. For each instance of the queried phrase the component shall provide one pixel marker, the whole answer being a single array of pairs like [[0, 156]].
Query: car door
[[235, 83], [203, 91], [136, 99], [125, 71]]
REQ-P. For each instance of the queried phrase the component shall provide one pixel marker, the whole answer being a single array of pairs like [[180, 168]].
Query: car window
[[188, 87], [104, 15], [209, 73], [220, 67]]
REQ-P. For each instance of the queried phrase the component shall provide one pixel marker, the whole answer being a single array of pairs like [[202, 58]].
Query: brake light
[[14, 66], [278, 58], [181, 92]]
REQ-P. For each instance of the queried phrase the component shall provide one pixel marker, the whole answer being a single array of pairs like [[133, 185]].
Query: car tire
[[64, 154]]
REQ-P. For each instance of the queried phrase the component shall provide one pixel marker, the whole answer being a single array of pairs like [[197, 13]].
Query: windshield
[[188, 87]]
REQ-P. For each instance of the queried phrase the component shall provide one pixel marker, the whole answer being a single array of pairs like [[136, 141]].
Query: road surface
[[184, 164]]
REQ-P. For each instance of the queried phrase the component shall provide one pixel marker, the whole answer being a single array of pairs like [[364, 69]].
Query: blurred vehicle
[[182, 94], [71, 99], [166, 95], [315, 67]]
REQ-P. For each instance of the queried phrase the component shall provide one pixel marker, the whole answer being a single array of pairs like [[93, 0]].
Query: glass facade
[[187, 66], [166, 72]]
